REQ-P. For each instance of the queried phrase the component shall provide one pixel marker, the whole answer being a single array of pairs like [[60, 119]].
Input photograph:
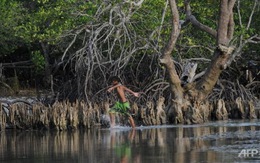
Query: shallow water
[[222, 141]]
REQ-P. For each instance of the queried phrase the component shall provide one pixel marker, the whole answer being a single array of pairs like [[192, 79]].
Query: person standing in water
[[122, 106]]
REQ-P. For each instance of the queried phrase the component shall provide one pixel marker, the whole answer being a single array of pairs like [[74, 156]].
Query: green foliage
[[206, 12], [34, 21], [246, 8], [46, 20], [38, 60], [151, 24], [10, 15]]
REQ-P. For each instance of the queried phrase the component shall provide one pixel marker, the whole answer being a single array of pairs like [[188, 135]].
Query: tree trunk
[[47, 78], [222, 52], [175, 112], [188, 101]]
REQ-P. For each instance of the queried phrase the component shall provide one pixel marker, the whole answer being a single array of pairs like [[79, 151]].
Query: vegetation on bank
[[190, 53]]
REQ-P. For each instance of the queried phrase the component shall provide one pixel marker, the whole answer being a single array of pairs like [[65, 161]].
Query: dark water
[[224, 141]]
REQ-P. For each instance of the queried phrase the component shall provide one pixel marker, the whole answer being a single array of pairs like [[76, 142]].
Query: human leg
[[112, 111], [125, 110], [112, 119], [132, 122]]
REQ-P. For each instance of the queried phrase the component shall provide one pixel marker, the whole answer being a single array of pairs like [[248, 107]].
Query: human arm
[[136, 94], [113, 87]]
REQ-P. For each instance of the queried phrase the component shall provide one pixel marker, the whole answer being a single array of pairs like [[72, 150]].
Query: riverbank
[[30, 112]]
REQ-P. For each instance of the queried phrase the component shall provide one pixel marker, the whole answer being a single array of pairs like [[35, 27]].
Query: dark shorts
[[121, 107]]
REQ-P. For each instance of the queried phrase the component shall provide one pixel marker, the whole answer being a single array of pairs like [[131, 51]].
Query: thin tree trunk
[[167, 60], [47, 79], [175, 112]]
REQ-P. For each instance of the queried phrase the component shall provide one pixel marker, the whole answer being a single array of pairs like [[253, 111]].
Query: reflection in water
[[213, 142], [122, 148]]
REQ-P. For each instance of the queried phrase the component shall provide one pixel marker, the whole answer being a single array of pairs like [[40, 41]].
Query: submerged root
[[160, 113], [2, 118], [221, 111], [240, 107], [252, 113]]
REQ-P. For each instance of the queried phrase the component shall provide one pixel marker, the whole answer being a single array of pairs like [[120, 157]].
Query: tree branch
[[191, 18], [225, 23], [108, 43], [251, 15], [242, 43]]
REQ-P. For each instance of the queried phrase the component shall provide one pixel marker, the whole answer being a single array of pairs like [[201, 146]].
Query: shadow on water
[[224, 141]]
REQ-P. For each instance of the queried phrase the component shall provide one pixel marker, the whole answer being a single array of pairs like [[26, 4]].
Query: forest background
[[71, 48]]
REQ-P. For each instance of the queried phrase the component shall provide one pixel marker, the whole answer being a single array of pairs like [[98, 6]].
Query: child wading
[[122, 106]]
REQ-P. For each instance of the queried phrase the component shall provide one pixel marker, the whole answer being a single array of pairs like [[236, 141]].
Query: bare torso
[[120, 93]]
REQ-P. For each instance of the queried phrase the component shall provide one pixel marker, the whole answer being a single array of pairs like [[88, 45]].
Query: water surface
[[222, 141]]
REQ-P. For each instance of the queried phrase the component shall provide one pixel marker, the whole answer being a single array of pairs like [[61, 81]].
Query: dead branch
[[189, 71]]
